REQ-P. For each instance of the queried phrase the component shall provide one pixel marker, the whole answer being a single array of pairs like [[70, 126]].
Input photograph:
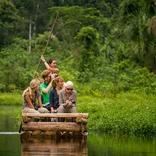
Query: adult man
[[45, 88], [67, 99]]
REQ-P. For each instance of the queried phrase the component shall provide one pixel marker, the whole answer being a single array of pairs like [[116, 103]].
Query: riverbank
[[14, 98], [127, 113]]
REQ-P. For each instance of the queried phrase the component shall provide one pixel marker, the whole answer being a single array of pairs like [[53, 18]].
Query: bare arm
[[27, 97], [46, 90], [40, 101], [37, 76], [53, 70]]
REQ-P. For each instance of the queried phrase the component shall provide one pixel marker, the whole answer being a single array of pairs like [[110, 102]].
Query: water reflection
[[96, 144], [121, 145], [10, 144], [9, 118], [53, 147]]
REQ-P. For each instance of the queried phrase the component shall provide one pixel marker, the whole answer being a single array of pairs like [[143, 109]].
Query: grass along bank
[[11, 98], [130, 113], [127, 113]]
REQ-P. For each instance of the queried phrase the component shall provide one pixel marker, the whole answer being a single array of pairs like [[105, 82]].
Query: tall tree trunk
[[30, 27]]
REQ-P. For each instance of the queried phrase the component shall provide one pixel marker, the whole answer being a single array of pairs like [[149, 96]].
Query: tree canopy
[[109, 45]]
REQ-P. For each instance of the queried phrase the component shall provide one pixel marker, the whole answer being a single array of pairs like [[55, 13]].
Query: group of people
[[49, 94]]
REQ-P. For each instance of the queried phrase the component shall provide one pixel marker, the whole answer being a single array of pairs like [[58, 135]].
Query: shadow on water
[[54, 147]]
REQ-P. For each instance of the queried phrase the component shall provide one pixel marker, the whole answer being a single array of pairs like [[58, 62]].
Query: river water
[[95, 144]]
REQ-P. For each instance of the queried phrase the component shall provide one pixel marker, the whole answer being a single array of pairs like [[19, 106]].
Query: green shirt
[[45, 97]]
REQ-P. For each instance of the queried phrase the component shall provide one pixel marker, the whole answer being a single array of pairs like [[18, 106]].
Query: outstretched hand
[[36, 74], [42, 58]]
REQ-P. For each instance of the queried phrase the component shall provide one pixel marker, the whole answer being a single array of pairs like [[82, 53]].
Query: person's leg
[[30, 110], [61, 109], [44, 110], [73, 110], [48, 107]]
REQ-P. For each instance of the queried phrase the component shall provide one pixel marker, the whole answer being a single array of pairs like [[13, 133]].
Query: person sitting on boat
[[30, 96], [45, 88], [67, 99], [57, 85], [51, 65]]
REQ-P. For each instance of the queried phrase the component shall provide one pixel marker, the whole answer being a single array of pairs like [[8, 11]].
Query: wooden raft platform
[[48, 124]]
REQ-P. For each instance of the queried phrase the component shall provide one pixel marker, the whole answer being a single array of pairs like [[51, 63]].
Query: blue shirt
[[54, 99]]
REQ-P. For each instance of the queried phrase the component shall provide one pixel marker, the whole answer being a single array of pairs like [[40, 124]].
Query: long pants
[[63, 109], [30, 110]]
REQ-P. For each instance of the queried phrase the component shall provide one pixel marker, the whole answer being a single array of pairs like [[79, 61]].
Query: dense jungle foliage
[[105, 47]]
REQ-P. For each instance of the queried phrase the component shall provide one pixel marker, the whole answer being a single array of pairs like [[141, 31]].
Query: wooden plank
[[51, 126], [56, 115], [81, 120]]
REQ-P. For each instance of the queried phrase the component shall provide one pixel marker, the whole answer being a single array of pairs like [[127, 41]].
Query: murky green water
[[101, 144], [96, 144], [10, 145]]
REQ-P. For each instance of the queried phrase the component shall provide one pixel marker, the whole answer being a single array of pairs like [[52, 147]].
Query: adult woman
[[30, 96], [57, 85], [67, 99], [50, 65]]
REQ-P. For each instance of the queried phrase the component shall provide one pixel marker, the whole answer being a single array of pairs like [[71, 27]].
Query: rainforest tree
[[8, 22]]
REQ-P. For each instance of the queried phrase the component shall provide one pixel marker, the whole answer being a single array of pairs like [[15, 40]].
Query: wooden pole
[[48, 40]]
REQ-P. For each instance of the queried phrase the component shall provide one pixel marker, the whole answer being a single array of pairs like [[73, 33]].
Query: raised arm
[[53, 70], [46, 90]]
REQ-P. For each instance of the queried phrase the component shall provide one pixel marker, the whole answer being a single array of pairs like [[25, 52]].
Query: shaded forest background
[[104, 46]]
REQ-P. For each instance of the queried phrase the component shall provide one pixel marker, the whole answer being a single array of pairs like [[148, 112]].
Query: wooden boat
[[48, 124]]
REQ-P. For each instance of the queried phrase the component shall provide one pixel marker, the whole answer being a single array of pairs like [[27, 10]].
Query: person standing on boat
[[67, 99], [30, 96], [50, 65], [57, 85], [45, 88]]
